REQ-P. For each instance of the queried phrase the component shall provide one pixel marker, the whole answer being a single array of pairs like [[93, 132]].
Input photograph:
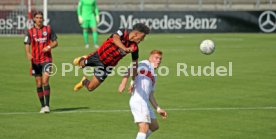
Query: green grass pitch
[[242, 106]]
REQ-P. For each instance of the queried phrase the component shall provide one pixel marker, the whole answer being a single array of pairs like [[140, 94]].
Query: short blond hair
[[156, 52]]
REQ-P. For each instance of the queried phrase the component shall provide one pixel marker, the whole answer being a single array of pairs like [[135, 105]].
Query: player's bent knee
[[38, 83], [143, 127], [90, 89], [154, 128], [45, 83]]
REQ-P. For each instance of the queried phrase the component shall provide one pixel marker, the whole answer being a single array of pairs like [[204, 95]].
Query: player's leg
[[85, 26], [100, 74], [92, 84], [95, 37], [153, 126], [82, 62], [85, 37], [143, 129], [91, 60], [36, 72], [93, 26], [141, 115], [46, 86], [79, 61], [46, 90], [89, 84], [38, 80]]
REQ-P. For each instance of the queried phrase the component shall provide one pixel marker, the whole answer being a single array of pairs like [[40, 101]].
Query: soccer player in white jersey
[[142, 95]]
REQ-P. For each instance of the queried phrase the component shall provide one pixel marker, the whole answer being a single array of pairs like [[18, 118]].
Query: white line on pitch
[[229, 39], [169, 109]]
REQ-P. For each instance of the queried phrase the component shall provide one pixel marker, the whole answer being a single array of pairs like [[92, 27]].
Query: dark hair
[[38, 13], [141, 27]]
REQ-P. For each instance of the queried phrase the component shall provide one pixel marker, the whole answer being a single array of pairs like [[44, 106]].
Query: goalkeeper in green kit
[[88, 16]]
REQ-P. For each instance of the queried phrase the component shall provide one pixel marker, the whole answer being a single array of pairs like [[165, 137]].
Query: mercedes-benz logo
[[267, 21], [106, 22]]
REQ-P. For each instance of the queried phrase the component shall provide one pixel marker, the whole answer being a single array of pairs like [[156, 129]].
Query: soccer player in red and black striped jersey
[[39, 41], [110, 53]]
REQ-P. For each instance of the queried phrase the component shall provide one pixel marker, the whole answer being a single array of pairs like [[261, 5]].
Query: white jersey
[[144, 86], [144, 81]]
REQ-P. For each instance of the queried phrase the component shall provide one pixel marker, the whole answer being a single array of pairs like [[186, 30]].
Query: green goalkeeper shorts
[[89, 23]]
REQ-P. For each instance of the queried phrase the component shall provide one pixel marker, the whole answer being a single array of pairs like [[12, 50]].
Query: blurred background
[[178, 16], [149, 5]]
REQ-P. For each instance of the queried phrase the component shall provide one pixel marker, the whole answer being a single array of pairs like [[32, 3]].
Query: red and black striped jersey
[[39, 38], [110, 54]]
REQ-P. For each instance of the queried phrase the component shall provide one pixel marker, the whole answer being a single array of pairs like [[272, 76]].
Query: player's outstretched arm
[[134, 69], [133, 72], [123, 83], [160, 111], [122, 86]]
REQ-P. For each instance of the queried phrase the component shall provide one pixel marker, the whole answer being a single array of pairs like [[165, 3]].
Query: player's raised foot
[[77, 60], [42, 110], [46, 109], [79, 85]]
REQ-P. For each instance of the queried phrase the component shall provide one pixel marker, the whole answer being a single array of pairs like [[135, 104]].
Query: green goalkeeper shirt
[[87, 9]]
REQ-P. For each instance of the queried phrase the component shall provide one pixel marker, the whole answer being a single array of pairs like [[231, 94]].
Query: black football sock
[[47, 94], [40, 96]]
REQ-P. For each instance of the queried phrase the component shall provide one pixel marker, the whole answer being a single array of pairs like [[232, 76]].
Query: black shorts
[[100, 71], [39, 69]]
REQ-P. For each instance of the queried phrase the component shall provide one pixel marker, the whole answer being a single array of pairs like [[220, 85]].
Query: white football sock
[[141, 135]]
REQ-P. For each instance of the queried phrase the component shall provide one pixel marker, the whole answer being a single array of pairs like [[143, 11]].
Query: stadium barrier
[[159, 22]]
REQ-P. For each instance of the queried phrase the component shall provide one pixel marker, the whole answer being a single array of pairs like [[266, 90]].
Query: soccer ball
[[207, 47]]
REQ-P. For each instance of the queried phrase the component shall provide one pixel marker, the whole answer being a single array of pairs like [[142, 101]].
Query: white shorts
[[141, 111]]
